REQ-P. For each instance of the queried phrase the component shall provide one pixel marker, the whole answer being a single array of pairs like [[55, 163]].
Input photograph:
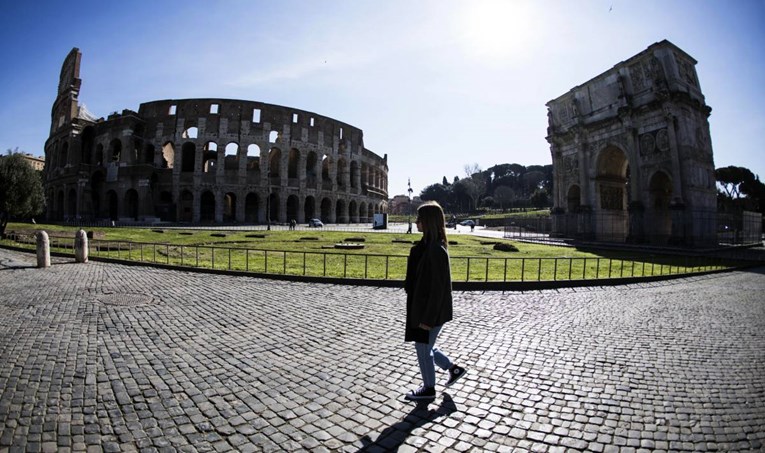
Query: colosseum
[[206, 161]]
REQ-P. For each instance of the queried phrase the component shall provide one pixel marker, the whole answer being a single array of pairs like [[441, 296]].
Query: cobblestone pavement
[[105, 357]]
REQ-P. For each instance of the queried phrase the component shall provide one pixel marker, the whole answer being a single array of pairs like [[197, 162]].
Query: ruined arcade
[[632, 154], [206, 160]]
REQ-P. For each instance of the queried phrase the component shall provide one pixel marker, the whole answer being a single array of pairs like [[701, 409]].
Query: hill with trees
[[502, 186]]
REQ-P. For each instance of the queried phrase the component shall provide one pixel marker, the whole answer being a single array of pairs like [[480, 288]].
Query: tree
[[21, 190], [532, 181], [504, 195], [436, 192], [739, 188], [540, 198], [467, 188]]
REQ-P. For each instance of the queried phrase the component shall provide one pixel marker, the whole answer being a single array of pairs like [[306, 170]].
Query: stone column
[[43, 249], [81, 247], [219, 197], [196, 206], [677, 186], [301, 210]]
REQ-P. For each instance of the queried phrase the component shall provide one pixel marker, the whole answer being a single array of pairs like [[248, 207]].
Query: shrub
[[505, 247]]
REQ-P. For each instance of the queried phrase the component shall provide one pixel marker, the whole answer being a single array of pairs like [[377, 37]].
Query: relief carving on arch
[[644, 72], [571, 165], [654, 143], [687, 71], [611, 198]]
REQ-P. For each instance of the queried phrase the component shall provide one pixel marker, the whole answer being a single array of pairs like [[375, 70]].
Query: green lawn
[[383, 256]]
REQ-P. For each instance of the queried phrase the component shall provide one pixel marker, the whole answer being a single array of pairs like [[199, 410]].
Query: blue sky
[[435, 85]]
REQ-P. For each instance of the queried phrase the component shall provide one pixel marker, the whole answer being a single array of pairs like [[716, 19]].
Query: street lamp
[[409, 217], [268, 207]]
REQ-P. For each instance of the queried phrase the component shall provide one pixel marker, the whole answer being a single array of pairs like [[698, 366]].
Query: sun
[[495, 29]]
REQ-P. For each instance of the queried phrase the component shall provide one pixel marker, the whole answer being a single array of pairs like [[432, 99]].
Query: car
[[468, 222], [315, 223]]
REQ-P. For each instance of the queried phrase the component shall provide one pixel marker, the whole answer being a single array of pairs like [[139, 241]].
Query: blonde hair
[[431, 215]]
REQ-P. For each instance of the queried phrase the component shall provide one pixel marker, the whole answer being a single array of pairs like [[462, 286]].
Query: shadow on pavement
[[393, 436]]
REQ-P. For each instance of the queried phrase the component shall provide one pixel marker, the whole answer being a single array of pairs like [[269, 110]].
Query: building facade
[[206, 160], [632, 154]]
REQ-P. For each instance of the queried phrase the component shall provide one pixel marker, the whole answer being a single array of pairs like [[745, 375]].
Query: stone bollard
[[81, 247], [43, 249]]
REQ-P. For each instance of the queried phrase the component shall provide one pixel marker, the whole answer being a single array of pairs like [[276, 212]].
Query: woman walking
[[428, 288]]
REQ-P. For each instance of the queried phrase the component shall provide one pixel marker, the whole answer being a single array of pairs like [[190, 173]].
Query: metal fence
[[388, 267], [692, 228]]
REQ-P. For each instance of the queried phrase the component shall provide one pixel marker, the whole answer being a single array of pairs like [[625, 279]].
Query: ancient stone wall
[[211, 161]]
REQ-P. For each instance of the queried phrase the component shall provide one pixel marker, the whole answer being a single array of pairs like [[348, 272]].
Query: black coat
[[428, 288]]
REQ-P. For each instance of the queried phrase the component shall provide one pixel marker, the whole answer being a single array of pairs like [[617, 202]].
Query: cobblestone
[[199, 362]]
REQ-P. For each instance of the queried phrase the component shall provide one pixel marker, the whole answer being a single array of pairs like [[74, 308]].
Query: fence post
[[43, 249], [81, 247]]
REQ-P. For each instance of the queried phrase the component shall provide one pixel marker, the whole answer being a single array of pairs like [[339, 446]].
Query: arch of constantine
[[206, 160], [632, 154]]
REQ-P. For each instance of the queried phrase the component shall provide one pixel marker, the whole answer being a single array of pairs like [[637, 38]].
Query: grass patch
[[384, 255]]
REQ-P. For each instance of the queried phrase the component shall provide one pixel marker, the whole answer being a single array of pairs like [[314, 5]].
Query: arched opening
[[253, 158], [111, 196], [231, 159], [168, 155], [659, 226], [165, 207], [340, 213], [354, 174], [364, 176], [115, 150], [612, 222], [229, 207], [363, 213], [273, 208], [326, 209], [292, 208], [210, 157], [251, 208], [207, 207], [86, 144], [148, 154], [326, 180], [131, 204], [309, 208], [353, 214], [190, 132], [292, 164], [274, 166], [188, 153], [186, 206], [573, 199], [310, 170]]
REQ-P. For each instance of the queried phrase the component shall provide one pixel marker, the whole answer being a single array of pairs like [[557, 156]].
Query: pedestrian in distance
[[428, 288]]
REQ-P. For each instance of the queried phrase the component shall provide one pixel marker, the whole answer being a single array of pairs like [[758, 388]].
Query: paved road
[[105, 357]]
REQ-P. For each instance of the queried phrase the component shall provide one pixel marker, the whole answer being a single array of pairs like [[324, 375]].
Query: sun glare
[[495, 29]]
